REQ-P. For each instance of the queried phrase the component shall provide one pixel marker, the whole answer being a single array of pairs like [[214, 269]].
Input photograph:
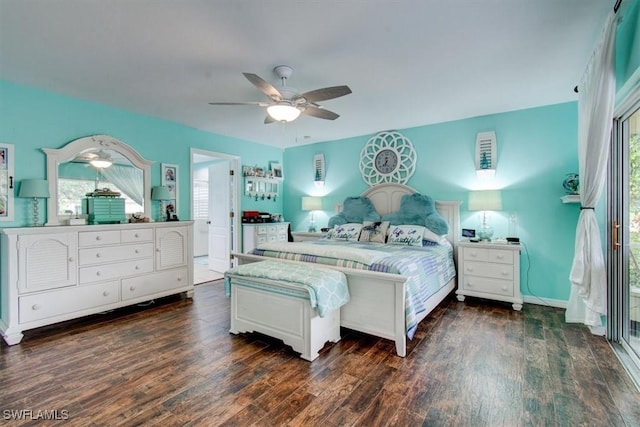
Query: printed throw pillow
[[374, 231], [410, 235], [347, 232], [433, 237]]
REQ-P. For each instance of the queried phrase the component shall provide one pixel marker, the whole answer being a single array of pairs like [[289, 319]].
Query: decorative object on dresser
[[486, 154], [491, 271], [170, 180], [311, 204], [254, 234], [52, 274], [387, 157], [6, 182], [485, 200], [34, 189], [161, 194]]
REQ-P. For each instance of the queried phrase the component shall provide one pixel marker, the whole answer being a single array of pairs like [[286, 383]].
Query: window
[[200, 199]]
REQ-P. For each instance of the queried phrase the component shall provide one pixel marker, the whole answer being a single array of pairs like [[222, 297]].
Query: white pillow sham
[[348, 232], [409, 235]]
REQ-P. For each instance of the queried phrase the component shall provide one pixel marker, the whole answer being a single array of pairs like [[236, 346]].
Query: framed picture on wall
[[170, 180], [276, 170], [6, 182]]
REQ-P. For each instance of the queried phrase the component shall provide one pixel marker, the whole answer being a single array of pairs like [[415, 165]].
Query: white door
[[219, 216]]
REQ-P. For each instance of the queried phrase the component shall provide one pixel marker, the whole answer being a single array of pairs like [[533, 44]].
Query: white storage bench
[[299, 304]]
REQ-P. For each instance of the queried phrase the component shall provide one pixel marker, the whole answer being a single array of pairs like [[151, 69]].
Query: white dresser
[[52, 274], [254, 234], [489, 270]]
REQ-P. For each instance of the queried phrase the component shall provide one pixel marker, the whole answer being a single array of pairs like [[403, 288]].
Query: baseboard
[[530, 299]]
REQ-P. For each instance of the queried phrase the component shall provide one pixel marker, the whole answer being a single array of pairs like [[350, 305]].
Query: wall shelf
[[571, 198]]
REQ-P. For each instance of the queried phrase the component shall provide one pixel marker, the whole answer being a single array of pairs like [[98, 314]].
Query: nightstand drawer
[[491, 270], [487, 285], [490, 255]]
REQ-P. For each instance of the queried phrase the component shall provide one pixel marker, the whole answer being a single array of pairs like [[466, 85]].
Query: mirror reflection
[[99, 169]]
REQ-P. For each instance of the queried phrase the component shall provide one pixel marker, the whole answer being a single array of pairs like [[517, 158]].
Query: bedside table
[[489, 270], [303, 236]]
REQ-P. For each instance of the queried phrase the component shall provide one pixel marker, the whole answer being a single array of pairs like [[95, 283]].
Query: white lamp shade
[[283, 112], [310, 203], [485, 200], [160, 193], [38, 188]]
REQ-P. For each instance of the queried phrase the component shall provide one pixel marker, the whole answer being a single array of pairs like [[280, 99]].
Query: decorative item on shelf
[[34, 189], [486, 154], [485, 200], [161, 193], [311, 204], [571, 183], [319, 170], [275, 170]]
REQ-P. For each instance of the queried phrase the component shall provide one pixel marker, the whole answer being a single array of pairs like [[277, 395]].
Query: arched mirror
[[95, 163]]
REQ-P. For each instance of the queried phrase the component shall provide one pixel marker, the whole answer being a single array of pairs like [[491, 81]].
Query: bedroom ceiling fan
[[286, 103]]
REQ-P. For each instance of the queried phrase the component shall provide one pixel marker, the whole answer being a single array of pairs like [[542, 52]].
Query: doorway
[[623, 322], [214, 205]]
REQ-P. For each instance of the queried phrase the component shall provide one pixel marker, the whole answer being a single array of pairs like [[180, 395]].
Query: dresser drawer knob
[[136, 235], [97, 254], [180, 279], [105, 294], [35, 307], [505, 273], [97, 273], [70, 259], [132, 288], [469, 284], [500, 256], [137, 267], [137, 251], [98, 238], [505, 289]]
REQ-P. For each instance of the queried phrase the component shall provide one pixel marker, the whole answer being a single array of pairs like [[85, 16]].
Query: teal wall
[[31, 119], [536, 149]]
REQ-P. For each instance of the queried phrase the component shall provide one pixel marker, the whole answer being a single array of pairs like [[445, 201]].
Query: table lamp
[[310, 203], [161, 193], [34, 189], [485, 200]]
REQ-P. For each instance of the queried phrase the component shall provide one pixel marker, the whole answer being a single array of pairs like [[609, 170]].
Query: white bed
[[377, 305]]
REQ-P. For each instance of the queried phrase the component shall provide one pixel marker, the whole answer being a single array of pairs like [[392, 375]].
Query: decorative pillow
[[410, 235], [433, 237], [374, 231], [345, 232], [355, 210], [418, 209]]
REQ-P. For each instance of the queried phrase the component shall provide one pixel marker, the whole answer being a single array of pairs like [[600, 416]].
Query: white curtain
[[588, 298], [127, 179]]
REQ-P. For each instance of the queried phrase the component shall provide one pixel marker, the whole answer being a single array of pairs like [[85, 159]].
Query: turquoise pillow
[[355, 210], [418, 209]]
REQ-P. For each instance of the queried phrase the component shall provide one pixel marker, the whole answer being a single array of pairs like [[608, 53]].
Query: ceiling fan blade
[[264, 86], [320, 113], [259, 104], [269, 119], [325, 93]]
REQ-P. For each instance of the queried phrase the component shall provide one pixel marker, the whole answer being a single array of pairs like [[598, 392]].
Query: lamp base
[[485, 232]]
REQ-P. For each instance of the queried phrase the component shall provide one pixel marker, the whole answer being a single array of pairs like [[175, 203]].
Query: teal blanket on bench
[[327, 288]]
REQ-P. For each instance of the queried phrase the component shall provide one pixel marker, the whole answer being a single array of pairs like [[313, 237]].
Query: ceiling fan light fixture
[[102, 161], [283, 112]]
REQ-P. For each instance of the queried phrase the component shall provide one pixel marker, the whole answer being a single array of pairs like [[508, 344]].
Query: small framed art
[[170, 180], [276, 170]]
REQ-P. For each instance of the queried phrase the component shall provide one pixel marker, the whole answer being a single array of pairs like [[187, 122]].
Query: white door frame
[[234, 162]]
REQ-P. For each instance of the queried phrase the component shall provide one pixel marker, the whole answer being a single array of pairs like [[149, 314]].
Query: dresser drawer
[[137, 235], [98, 238], [106, 254], [51, 304], [99, 273], [488, 286], [149, 284], [261, 229], [487, 269]]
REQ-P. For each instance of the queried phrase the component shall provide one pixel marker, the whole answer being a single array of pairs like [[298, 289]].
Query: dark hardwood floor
[[174, 363]]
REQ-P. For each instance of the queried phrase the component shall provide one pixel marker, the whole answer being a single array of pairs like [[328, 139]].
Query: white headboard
[[386, 199]]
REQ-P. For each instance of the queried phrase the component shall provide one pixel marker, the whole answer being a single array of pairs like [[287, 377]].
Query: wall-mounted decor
[[6, 182], [387, 157], [275, 170], [486, 154], [170, 180], [262, 184], [318, 170]]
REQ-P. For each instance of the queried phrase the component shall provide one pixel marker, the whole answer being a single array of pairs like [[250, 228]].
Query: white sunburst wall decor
[[387, 157]]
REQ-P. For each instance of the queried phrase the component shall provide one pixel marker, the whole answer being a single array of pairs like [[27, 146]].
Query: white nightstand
[[489, 270]]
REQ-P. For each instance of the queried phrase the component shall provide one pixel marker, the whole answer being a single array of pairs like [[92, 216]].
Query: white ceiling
[[408, 62]]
